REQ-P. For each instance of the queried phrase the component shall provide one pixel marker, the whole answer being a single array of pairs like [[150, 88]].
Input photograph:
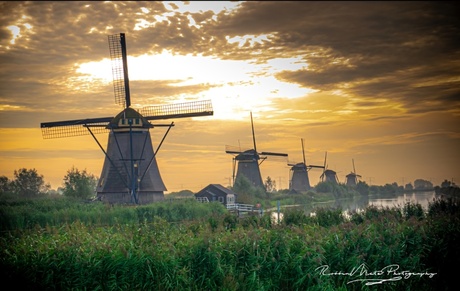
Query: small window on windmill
[[137, 121]]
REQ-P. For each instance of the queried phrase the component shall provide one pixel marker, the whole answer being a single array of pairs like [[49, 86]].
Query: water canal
[[362, 202]]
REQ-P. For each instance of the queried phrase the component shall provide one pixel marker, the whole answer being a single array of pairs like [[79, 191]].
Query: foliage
[[413, 210], [247, 193], [339, 190], [386, 189], [234, 253], [328, 217], [270, 185], [28, 183], [324, 187], [294, 216], [180, 194], [45, 211], [5, 184], [79, 184], [422, 184], [362, 188]]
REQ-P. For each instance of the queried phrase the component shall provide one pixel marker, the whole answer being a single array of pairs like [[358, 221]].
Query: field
[[62, 244]]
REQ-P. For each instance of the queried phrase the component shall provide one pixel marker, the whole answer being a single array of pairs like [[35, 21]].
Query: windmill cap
[[129, 114]]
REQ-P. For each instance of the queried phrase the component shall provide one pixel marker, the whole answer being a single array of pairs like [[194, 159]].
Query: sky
[[377, 83]]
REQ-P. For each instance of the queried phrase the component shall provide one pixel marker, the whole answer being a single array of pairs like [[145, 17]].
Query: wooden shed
[[217, 192]]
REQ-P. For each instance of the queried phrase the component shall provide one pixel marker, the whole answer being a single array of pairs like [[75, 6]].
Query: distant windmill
[[299, 174], [130, 172], [248, 161], [328, 175], [352, 178]]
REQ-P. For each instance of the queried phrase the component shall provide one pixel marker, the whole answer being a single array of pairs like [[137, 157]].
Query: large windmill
[[352, 178], [248, 161], [299, 174], [328, 175], [130, 172]]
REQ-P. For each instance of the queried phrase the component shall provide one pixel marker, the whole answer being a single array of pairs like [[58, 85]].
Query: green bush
[[328, 217]]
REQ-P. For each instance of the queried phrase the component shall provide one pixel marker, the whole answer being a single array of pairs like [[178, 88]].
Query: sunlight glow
[[233, 85], [201, 6], [16, 33], [251, 38]]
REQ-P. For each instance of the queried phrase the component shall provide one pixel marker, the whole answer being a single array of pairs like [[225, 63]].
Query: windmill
[[299, 174], [352, 178], [130, 172], [328, 175], [248, 161]]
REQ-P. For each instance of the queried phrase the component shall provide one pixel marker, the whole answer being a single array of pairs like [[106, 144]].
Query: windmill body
[[331, 176], [248, 166], [130, 172], [328, 175], [249, 162], [299, 181], [299, 178], [352, 178], [130, 142]]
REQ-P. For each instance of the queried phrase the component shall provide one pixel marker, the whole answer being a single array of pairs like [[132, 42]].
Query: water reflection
[[422, 198], [358, 204], [397, 200]]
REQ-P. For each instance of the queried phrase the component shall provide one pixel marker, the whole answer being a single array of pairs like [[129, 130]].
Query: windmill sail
[[117, 46], [71, 128], [178, 110]]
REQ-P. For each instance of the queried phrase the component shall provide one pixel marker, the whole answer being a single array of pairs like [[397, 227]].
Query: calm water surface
[[398, 200], [360, 203]]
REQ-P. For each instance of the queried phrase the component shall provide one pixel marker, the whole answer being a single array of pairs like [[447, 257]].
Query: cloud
[[344, 75]]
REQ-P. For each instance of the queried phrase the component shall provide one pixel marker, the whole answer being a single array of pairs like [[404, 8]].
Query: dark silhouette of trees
[[270, 185], [28, 183], [79, 184], [5, 184]]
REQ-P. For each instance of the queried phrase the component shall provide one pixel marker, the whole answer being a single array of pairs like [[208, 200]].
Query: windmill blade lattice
[[117, 48], [178, 110], [77, 127]]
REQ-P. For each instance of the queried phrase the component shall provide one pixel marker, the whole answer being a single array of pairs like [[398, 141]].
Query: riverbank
[[451, 191]]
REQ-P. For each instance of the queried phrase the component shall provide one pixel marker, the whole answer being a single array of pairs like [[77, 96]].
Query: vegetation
[[62, 242], [26, 183], [179, 248], [79, 184], [247, 193]]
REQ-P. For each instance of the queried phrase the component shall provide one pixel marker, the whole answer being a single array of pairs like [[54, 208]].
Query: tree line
[[28, 183]]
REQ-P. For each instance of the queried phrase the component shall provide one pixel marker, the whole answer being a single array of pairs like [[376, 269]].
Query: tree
[[362, 188], [28, 183], [5, 184], [79, 184], [422, 184], [270, 185], [248, 193]]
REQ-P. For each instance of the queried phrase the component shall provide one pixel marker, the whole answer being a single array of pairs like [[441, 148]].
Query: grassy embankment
[[62, 244]]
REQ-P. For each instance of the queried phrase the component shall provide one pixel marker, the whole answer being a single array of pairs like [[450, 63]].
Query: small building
[[217, 192]]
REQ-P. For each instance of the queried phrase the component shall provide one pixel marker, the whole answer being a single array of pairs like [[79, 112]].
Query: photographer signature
[[361, 273]]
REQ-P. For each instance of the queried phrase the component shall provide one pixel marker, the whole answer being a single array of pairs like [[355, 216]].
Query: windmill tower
[[130, 172], [248, 161], [299, 174], [328, 175], [352, 178]]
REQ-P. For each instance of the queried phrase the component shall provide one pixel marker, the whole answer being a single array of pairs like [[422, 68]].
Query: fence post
[[278, 207]]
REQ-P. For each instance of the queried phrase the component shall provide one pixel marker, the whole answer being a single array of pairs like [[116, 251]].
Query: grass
[[145, 248]]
